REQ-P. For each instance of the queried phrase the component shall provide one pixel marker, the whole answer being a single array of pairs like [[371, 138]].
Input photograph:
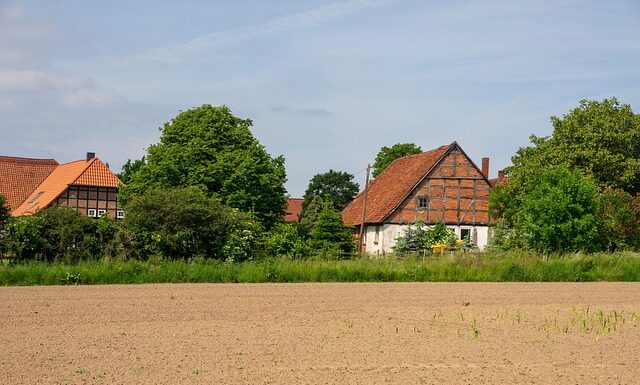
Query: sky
[[326, 83]]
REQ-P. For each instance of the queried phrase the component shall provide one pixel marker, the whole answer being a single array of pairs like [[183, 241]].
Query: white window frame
[[101, 212], [92, 213], [120, 214]]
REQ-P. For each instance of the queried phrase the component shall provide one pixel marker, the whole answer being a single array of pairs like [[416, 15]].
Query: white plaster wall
[[389, 232]]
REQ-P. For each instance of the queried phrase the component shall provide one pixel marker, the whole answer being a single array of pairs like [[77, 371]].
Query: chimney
[[485, 167], [500, 175], [90, 155]]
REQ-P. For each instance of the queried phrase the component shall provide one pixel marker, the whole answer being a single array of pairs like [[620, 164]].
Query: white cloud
[[295, 21]]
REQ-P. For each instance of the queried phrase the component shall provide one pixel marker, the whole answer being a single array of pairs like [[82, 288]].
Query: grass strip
[[485, 267]]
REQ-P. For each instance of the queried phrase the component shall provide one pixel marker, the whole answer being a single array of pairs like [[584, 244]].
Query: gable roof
[[393, 185], [80, 173], [20, 176], [294, 210]]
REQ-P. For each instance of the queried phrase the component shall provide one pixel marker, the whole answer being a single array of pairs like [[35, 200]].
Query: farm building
[[441, 185], [30, 185]]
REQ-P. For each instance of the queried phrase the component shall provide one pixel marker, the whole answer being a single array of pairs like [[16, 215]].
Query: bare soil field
[[404, 333]]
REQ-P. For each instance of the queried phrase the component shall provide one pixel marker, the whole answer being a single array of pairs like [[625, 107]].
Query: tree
[[329, 233], [130, 168], [336, 187], [386, 155], [561, 213], [602, 139], [210, 149], [310, 216], [182, 223]]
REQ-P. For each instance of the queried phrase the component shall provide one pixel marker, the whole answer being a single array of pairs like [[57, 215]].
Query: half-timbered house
[[87, 185], [441, 185]]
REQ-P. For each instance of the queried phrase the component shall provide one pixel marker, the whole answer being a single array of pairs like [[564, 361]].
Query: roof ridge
[[18, 159]]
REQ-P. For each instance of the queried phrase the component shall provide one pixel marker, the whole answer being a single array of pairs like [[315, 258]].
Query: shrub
[[182, 223], [560, 214], [59, 234], [284, 240], [419, 238]]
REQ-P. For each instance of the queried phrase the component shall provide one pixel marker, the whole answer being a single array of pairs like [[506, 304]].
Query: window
[[101, 212], [120, 214], [465, 233], [377, 237], [92, 213], [423, 202]]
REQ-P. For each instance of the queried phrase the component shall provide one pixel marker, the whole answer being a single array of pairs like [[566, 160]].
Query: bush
[[620, 220], [420, 238], [560, 214], [59, 234], [284, 240], [183, 223]]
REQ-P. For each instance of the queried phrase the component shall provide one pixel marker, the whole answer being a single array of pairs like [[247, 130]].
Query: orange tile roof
[[20, 176], [80, 172], [294, 210], [392, 186]]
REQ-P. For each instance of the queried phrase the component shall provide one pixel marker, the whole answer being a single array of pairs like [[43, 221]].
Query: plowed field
[[406, 333]]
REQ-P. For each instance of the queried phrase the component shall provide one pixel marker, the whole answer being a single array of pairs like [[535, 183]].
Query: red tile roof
[[294, 210], [81, 172], [392, 186], [20, 176]]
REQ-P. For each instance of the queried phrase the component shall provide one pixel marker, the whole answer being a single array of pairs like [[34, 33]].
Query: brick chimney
[[90, 155], [485, 167], [500, 175]]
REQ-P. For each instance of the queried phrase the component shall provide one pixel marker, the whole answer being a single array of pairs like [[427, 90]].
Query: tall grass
[[448, 268]]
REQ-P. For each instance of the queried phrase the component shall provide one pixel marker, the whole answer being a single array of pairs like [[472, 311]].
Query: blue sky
[[325, 83]]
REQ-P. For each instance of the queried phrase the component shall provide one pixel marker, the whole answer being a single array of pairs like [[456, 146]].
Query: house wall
[[455, 193], [85, 198], [380, 240]]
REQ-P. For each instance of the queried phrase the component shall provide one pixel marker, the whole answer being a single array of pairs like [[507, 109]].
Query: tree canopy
[[600, 138], [572, 182], [336, 187], [386, 155], [210, 149]]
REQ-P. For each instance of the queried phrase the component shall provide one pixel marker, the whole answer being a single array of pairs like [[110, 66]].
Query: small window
[[465, 233], [101, 212], [377, 237], [120, 214], [92, 213], [423, 202]]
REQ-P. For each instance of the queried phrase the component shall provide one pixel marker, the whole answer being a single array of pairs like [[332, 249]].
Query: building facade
[[87, 185], [441, 185]]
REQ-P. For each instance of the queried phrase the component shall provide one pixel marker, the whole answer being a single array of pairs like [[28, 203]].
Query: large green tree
[[600, 138], [332, 186], [386, 155], [211, 149]]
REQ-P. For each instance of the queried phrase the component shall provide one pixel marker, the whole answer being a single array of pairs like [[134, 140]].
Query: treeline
[[207, 190], [577, 189], [175, 224]]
